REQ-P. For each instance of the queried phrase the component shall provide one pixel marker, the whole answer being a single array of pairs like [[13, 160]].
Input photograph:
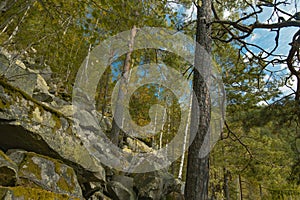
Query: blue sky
[[263, 38]]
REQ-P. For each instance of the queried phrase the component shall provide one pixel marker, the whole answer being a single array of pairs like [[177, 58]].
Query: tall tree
[[118, 115], [198, 167]]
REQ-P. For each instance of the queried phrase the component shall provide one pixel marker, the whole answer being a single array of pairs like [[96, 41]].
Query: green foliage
[[57, 33], [259, 146], [256, 145], [47, 33]]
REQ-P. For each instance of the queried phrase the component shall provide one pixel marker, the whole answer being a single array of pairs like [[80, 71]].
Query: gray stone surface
[[119, 192], [45, 173], [8, 171], [155, 185], [30, 125], [17, 74]]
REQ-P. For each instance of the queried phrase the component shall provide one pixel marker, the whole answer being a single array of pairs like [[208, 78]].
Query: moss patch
[[62, 183], [28, 165], [57, 123], [33, 193], [69, 130], [2, 105]]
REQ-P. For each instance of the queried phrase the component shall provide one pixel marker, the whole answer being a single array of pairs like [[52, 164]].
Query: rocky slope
[[41, 157]]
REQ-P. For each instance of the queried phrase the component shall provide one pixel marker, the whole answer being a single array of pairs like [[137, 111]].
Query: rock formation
[[41, 157]]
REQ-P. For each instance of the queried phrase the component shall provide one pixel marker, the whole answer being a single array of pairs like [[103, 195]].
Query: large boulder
[[28, 124], [155, 185], [119, 192], [45, 173], [26, 79], [121, 187]]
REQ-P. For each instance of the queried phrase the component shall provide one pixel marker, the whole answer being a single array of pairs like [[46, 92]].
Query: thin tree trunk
[[124, 122], [161, 130], [196, 187], [14, 33], [153, 137], [118, 115], [185, 139], [226, 187], [260, 192], [105, 95], [240, 187], [154, 145]]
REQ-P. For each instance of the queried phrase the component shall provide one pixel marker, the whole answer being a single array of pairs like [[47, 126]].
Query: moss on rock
[[26, 193], [43, 172]]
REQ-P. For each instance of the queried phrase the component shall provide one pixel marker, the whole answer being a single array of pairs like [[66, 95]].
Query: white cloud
[[192, 11], [262, 103], [290, 8], [226, 14], [292, 86], [174, 6]]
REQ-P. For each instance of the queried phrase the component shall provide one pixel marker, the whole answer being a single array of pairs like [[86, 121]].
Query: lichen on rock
[[45, 172]]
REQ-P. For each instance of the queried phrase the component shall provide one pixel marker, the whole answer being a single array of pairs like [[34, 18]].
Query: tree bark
[[118, 115], [196, 187]]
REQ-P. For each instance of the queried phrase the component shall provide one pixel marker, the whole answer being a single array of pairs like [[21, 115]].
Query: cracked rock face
[[30, 125]]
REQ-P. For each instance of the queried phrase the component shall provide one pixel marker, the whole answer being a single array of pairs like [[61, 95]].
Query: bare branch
[[236, 138]]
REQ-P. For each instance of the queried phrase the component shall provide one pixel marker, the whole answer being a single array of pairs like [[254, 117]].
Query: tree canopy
[[254, 44]]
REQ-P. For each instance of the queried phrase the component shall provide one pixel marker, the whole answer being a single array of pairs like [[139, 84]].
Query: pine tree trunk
[[196, 187], [118, 115]]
